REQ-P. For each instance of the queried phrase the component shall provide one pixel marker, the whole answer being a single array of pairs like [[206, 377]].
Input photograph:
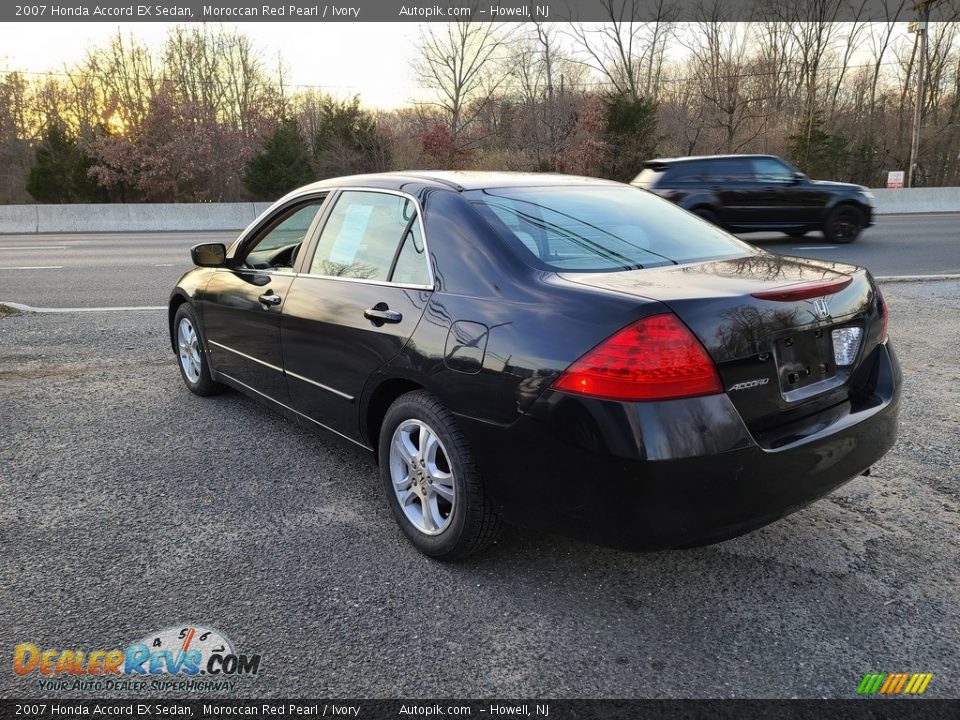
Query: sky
[[369, 59]]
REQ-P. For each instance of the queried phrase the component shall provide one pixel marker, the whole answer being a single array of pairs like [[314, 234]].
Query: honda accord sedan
[[562, 353]]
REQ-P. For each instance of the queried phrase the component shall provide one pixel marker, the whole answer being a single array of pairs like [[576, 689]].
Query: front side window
[[278, 247], [592, 229], [363, 234], [767, 169]]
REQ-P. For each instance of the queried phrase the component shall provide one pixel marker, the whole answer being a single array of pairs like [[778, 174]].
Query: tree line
[[209, 118]]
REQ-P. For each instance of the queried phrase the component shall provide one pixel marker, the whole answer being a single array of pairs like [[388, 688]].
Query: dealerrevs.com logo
[[186, 658]]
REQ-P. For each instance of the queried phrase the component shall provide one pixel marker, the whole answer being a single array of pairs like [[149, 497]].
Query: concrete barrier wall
[[174, 217], [918, 200]]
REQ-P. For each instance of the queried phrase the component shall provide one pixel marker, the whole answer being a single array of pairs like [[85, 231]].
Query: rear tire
[[843, 225], [431, 481], [709, 215], [192, 353]]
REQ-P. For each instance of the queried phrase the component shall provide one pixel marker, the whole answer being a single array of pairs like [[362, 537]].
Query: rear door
[[242, 303], [358, 299], [731, 181]]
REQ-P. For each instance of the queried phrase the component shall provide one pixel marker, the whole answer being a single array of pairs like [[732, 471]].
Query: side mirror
[[209, 254], [798, 177]]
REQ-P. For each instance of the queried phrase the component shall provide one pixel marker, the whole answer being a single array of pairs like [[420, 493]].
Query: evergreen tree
[[282, 165], [818, 151], [629, 133], [347, 140], [59, 173]]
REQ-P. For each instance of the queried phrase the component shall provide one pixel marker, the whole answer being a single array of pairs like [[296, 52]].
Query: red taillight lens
[[657, 358]]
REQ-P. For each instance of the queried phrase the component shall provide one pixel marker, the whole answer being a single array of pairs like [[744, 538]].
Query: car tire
[[426, 462], [709, 215], [843, 225], [192, 353]]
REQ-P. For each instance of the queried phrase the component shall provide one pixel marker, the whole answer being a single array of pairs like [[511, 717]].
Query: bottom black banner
[[865, 709]]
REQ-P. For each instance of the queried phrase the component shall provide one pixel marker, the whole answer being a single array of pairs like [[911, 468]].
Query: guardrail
[[185, 217]]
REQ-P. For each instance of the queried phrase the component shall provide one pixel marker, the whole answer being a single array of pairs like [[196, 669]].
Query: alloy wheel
[[189, 350], [422, 477]]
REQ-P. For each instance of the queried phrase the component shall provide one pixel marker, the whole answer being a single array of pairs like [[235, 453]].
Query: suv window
[[277, 248], [767, 169], [726, 169], [361, 237], [686, 172]]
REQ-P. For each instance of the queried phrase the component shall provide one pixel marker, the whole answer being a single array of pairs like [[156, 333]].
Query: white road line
[[28, 308], [36, 247], [816, 247], [34, 267], [912, 278]]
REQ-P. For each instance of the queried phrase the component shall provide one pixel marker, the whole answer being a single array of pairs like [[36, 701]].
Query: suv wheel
[[843, 225], [706, 214]]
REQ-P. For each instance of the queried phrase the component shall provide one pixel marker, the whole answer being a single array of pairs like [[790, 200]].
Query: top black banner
[[472, 10]]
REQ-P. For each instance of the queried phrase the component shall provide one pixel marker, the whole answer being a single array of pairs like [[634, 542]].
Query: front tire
[[843, 225], [192, 353], [431, 481]]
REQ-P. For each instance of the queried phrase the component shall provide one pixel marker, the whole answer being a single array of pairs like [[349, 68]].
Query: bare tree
[[457, 61], [629, 54]]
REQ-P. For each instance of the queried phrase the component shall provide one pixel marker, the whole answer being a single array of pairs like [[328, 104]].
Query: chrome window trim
[[423, 234], [297, 412]]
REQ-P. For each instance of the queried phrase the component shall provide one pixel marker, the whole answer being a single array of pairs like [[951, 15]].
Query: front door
[[355, 304], [242, 303]]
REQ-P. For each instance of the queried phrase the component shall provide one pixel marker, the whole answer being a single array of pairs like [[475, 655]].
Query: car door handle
[[380, 313], [268, 298]]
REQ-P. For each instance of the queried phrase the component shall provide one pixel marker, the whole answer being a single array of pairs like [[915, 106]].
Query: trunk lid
[[767, 322]]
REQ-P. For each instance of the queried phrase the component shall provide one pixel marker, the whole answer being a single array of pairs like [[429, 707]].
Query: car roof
[[691, 158], [458, 180]]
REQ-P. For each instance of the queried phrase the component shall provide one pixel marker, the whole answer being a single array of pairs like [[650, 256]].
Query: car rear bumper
[[648, 476]]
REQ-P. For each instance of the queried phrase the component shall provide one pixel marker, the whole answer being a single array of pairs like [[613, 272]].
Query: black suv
[[752, 193]]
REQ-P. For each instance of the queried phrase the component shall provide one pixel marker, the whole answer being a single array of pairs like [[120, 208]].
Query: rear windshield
[[600, 228]]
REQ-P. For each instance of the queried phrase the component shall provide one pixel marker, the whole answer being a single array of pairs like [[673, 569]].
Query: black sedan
[[563, 353]]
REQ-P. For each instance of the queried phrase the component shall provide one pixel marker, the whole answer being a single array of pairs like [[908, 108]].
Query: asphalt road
[[131, 269], [128, 505]]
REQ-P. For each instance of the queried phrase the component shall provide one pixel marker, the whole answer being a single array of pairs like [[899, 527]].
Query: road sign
[[895, 179]]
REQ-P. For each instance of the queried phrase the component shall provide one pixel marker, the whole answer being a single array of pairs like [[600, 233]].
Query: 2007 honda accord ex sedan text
[[563, 353]]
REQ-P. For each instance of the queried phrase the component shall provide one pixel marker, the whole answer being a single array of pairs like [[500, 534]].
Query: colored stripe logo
[[894, 683]]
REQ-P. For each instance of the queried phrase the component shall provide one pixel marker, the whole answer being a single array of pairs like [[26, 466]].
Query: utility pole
[[920, 27]]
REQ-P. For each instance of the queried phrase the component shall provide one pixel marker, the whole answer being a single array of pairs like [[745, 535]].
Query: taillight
[[656, 358], [884, 311]]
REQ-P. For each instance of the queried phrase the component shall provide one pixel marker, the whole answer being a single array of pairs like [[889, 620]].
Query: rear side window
[[362, 236], [600, 228], [684, 172], [728, 170]]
